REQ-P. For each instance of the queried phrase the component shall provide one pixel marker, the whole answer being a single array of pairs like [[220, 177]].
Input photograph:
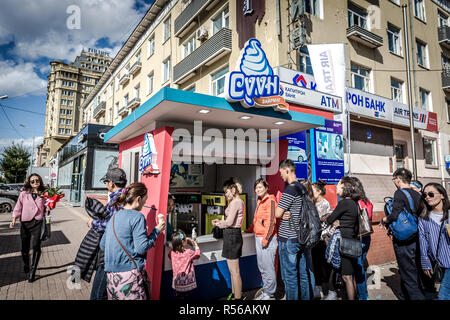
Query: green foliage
[[15, 163], [52, 191]]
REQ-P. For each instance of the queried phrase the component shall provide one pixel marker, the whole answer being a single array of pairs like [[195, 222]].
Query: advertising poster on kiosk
[[327, 152], [297, 152]]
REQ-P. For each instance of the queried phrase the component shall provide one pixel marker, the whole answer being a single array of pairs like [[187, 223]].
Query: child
[[183, 264]]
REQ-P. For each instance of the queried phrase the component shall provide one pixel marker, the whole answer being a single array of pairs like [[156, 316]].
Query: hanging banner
[[327, 152], [297, 152]]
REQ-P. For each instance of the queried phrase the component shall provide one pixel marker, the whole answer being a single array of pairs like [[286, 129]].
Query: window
[[64, 82], [185, 3], [312, 7], [69, 112], [87, 79], [166, 70], [117, 82], [442, 19], [61, 131], [111, 89], [394, 39], [419, 9], [447, 102], [166, 29], [305, 61], [69, 103], [429, 151], [396, 90], [136, 91], [188, 46], [190, 89], [218, 81], [138, 57], [357, 16], [62, 121], [117, 107], [68, 131], [221, 20], [400, 155], [125, 100], [151, 46], [68, 121], [62, 111], [360, 78], [63, 101], [424, 99], [445, 63], [150, 83], [422, 54]]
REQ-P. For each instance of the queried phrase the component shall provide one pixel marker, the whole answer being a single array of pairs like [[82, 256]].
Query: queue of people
[[306, 272]]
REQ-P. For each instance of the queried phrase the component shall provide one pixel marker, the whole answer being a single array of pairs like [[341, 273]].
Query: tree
[[15, 163]]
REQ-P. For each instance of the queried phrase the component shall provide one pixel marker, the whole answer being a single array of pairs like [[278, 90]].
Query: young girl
[[183, 264]]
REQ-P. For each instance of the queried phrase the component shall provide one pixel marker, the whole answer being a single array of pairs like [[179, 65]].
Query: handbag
[[438, 272], [350, 247], [217, 232], [365, 226], [147, 282], [45, 229]]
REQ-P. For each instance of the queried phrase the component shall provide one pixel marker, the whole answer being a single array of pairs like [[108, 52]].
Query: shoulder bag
[[217, 232], [438, 272], [144, 273], [365, 226], [350, 247], [45, 229]]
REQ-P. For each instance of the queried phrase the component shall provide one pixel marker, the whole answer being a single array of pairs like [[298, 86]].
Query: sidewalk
[[58, 253], [68, 230]]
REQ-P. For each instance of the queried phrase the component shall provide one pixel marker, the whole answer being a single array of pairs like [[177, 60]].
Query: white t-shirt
[[436, 217]]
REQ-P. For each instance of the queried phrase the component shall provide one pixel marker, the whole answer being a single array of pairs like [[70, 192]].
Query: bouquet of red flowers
[[52, 196]]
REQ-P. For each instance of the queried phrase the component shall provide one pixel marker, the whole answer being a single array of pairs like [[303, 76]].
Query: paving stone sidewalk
[[58, 254]]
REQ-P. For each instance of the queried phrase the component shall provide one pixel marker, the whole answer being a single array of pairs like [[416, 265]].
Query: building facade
[[67, 88], [192, 45]]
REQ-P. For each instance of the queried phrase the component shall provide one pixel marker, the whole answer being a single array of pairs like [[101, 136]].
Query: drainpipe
[[278, 18], [441, 161], [413, 50]]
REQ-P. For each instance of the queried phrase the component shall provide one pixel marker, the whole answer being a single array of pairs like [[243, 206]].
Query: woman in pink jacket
[[30, 209]]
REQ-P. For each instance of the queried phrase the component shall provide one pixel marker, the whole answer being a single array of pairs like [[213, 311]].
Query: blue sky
[[35, 32]]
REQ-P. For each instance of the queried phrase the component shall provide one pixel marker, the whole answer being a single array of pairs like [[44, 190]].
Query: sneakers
[[231, 296], [318, 293], [264, 296], [332, 295]]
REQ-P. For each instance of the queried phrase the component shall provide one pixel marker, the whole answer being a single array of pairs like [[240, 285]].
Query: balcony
[[100, 109], [210, 51], [125, 78], [446, 79], [135, 102], [186, 20], [444, 36], [123, 111], [364, 37], [135, 67]]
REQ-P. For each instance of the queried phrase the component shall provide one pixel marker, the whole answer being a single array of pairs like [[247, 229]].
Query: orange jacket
[[264, 223]]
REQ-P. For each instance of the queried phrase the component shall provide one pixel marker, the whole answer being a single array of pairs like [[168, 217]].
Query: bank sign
[[254, 84]]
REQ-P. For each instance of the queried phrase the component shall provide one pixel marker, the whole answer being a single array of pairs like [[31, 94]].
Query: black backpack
[[310, 227]]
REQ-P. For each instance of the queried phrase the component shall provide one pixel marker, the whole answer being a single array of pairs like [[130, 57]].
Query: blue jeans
[[360, 272], [295, 260], [444, 290], [98, 291]]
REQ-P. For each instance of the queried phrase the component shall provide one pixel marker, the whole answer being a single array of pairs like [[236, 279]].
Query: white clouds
[[18, 79], [27, 143], [39, 28]]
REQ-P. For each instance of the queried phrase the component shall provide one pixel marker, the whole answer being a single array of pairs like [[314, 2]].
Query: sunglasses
[[429, 194], [34, 181]]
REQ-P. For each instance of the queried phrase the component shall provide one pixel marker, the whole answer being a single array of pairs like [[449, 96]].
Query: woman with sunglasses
[[30, 209], [432, 234]]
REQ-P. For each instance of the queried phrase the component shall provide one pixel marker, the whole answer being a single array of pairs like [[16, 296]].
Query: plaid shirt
[[100, 225]]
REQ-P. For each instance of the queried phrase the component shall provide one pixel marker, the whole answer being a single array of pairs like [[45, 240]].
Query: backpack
[[406, 226], [310, 227]]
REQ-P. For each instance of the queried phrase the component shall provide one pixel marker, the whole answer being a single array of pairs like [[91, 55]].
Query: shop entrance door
[[77, 179], [400, 151]]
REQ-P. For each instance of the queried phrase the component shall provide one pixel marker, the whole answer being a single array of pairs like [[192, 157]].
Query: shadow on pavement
[[393, 282], [12, 243]]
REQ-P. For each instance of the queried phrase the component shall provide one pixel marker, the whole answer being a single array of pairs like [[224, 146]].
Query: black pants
[[405, 253], [320, 265], [30, 234]]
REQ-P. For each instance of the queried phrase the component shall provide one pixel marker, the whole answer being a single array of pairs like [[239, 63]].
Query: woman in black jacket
[[347, 212]]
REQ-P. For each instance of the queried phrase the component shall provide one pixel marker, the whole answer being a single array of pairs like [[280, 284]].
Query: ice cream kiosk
[[188, 144]]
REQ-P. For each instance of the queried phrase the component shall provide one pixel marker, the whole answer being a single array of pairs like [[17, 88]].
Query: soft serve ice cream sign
[[253, 83]]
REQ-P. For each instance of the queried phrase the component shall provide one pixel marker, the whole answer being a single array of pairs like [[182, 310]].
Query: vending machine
[[213, 207]]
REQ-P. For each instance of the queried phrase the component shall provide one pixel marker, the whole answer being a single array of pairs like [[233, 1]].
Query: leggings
[[30, 234]]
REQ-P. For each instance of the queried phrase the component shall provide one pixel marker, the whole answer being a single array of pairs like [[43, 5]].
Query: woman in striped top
[[431, 225]]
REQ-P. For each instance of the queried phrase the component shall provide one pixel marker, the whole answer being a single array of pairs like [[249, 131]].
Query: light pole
[[32, 150], [4, 97]]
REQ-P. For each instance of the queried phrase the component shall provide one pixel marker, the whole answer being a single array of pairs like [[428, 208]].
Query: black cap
[[115, 175]]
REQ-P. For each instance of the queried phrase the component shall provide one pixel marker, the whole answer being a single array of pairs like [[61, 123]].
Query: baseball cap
[[115, 175]]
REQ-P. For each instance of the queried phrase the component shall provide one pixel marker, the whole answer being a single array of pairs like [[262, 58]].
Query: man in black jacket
[[406, 251]]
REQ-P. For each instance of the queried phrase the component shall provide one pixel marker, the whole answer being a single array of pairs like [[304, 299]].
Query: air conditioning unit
[[298, 37], [202, 34]]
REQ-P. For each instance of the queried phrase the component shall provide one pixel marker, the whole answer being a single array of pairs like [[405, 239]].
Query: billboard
[[297, 152], [327, 152]]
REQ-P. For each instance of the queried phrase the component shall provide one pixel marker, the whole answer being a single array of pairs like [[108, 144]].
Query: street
[[68, 230]]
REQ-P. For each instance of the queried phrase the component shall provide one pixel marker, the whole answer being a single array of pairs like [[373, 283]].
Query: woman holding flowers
[[30, 209]]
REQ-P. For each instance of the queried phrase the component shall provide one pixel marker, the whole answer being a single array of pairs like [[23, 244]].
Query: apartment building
[[193, 44], [68, 86]]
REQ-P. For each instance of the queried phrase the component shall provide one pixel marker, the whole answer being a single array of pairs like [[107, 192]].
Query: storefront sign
[[327, 152], [311, 98], [253, 83], [296, 78], [297, 152], [147, 161]]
